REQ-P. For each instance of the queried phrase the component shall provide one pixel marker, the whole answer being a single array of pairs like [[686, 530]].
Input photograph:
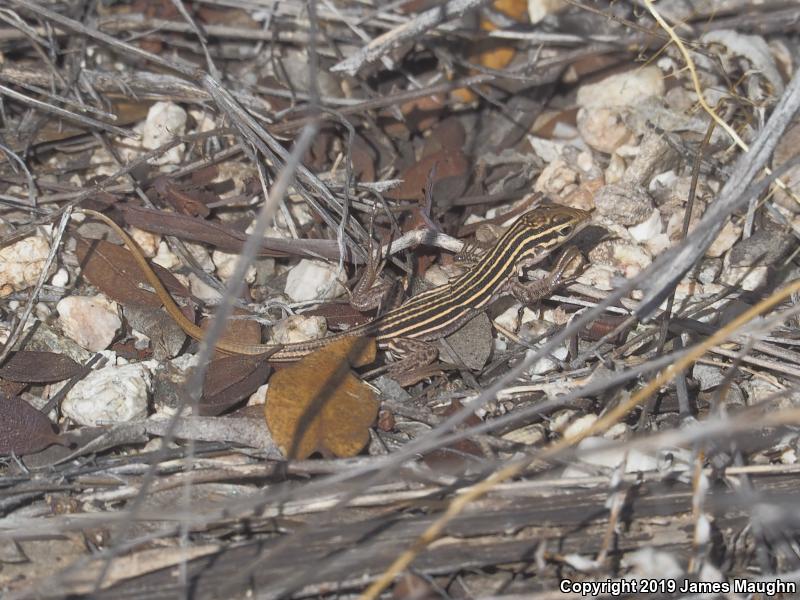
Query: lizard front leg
[[569, 263]]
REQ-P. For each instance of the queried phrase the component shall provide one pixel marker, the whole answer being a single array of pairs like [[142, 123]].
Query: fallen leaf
[[39, 367], [113, 270], [449, 180], [460, 455], [23, 429], [224, 238], [318, 405], [229, 380], [492, 53]]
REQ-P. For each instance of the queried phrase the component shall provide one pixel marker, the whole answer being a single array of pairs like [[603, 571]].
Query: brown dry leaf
[[222, 237], [113, 270], [23, 429], [39, 367], [229, 380], [458, 456], [449, 177], [237, 331], [318, 405]]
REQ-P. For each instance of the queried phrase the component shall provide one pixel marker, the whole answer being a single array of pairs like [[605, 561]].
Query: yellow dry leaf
[[319, 405], [495, 54]]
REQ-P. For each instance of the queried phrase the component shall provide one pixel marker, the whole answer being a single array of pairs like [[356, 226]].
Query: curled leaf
[[319, 405]]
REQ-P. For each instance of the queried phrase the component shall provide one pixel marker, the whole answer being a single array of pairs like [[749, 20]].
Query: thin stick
[[479, 490]]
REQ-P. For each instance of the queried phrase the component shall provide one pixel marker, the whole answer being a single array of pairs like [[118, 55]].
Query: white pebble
[[202, 290], [603, 128], [724, 240], [147, 241], [165, 121], [648, 228], [92, 322], [547, 364], [622, 89], [580, 425], [114, 394], [21, 263], [314, 280], [298, 328], [539, 9], [226, 263], [165, 257], [61, 278], [259, 397]]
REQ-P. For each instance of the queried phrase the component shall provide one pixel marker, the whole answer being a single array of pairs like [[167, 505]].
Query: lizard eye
[[567, 231]]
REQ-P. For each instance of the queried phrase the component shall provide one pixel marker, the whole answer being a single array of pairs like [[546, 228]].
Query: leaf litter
[[434, 124]]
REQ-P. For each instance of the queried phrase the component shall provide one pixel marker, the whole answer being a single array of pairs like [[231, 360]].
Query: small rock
[[746, 278], [114, 394], [148, 242], [725, 240], [655, 154], [555, 178], [648, 228], [509, 319], [603, 128], [597, 276], [165, 257], [92, 322], [314, 280], [622, 89], [617, 431], [710, 268], [165, 121], [547, 364], [580, 425], [539, 9], [226, 263], [21, 264], [529, 435], [650, 563], [615, 170], [610, 458], [60, 279], [298, 328], [708, 376], [259, 397], [546, 149], [472, 343], [624, 204], [201, 255], [766, 246], [561, 420], [437, 275], [202, 290], [784, 152], [626, 259], [583, 196]]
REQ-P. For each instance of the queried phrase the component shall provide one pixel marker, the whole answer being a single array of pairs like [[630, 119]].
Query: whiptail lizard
[[433, 314]]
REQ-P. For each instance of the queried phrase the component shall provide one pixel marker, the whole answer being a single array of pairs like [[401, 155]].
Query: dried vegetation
[[639, 423]]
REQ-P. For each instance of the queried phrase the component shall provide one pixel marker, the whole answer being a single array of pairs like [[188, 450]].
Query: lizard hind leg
[[415, 360], [371, 291]]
